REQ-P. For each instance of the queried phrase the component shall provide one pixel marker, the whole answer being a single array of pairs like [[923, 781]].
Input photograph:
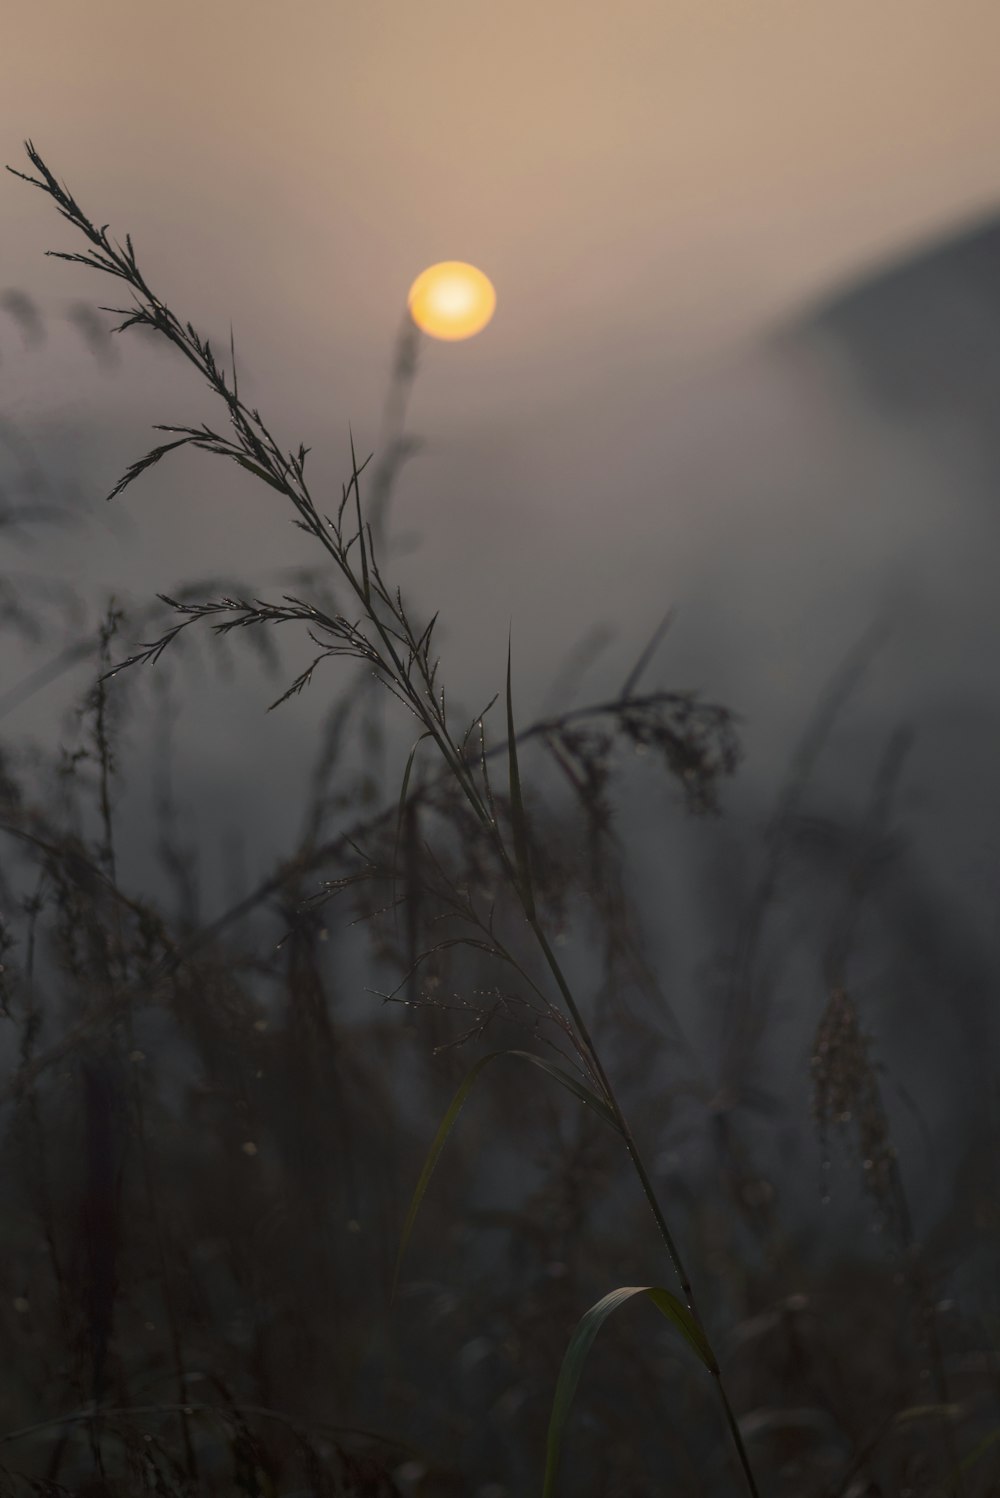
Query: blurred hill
[[923, 335]]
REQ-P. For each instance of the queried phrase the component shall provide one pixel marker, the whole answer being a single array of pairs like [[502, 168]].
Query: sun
[[451, 300]]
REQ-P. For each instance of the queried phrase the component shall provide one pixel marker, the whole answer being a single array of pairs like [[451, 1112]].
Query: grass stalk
[[382, 636]]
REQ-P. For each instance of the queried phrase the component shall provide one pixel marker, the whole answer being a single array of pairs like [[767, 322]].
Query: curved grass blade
[[580, 1343], [565, 1078], [571, 1083], [518, 818], [977, 1452], [402, 808]]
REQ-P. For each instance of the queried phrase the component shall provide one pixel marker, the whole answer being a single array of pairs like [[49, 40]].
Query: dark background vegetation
[[213, 1124]]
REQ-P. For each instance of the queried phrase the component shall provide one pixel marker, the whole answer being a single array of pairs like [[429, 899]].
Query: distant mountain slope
[[925, 334]]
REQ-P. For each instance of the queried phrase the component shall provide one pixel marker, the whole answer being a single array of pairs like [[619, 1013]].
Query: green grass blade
[[977, 1452], [437, 1145], [518, 818], [571, 1083], [580, 1343]]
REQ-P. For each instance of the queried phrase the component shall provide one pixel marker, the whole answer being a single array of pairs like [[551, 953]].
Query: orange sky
[[659, 175], [648, 183]]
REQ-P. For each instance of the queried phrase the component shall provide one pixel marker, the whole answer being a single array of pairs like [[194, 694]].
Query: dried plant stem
[[383, 637], [649, 1191]]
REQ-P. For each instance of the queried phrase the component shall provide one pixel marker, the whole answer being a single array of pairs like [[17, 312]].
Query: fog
[[784, 502], [743, 371]]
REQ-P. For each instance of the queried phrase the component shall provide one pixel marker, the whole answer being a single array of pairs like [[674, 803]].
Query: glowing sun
[[451, 300]]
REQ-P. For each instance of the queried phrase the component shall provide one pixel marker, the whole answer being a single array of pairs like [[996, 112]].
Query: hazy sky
[[650, 184], [653, 175]]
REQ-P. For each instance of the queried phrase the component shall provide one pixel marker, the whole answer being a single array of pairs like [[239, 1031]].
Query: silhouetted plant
[[207, 1146], [381, 635]]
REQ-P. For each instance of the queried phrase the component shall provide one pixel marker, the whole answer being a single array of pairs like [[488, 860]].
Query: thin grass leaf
[[927, 1412], [232, 355], [565, 1078], [261, 473], [632, 679], [404, 788], [977, 1452], [423, 645], [517, 816], [141, 464], [580, 1343], [572, 1084], [301, 681], [355, 471]]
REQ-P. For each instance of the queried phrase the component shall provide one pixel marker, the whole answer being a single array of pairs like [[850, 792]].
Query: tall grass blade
[[977, 1452], [580, 1343], [565, 1078], [572, 1084], [402, 808], [632, 679], [355, 472], [518, 818], [404, 788]]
